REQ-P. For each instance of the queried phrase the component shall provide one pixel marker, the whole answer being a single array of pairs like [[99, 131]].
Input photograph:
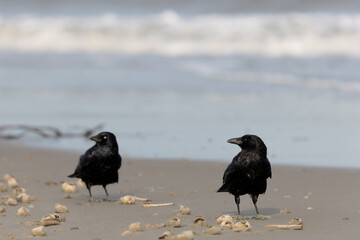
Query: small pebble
[[11, 202], [12, 183], [38, 231], [136, 227], [23, 212], [60, 208], [7, 177], [68, 188], [126, 234]]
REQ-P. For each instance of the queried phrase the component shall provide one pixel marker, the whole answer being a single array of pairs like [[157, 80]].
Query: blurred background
[[176, 79]]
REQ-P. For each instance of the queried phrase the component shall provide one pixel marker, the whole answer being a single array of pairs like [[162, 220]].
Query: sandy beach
[[323, 198]]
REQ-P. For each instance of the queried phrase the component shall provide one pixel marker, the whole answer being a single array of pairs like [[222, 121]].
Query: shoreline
[[321, 197]]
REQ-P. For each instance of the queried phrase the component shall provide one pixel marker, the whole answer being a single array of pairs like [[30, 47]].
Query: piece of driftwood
[[44, 131], [157, 204], [284, 227]]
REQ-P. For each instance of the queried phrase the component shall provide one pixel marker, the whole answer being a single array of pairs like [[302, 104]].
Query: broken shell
[[136, 227], [38, 231], [12, 183], [175, 222], [2, 187], [165, 235], [7, 177], [140, 199], [295, 221], [126, 234], [227, 225], [80, 183], [224, 218], [11, 202], [18, 191], [154, 226], [23, 212], [242, 226], [51, 219], [69, 188], [214, 230], [23, 198], [186, 235], [200, 222], [60, 208], [127, 199], [183, 210], [2, 209]]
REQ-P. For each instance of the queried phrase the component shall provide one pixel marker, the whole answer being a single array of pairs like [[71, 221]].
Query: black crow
[[248, 171], [100, 164]]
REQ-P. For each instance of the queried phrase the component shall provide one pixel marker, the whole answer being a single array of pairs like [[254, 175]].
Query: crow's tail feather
[[74, 175], [223, 188]]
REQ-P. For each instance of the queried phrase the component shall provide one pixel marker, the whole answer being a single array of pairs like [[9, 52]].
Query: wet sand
[[327, 200]]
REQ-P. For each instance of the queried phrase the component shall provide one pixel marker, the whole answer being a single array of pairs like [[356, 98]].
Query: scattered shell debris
[[154, 226], [294, 224], [51, 219], [126, 233], [186, 235], [12, 183], [2, 187], [127, 199], [166, 235], [38, 231], [60, 208], [135, 227], [23, 212], [175, 222], [242, 226], [200, 222], [80, 183], [228, 225], [68, 188], [157, 204], [224, 218], [11, 202], [183, 210], [309, 208], [213, 230], [7, 177], [23, 198]]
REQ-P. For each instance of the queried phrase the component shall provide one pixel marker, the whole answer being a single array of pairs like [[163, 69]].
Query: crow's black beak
[[94, 138], [237, 141]]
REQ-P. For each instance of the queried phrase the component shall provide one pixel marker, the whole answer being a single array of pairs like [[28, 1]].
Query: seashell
[[227, 225], [23, 212], [23, 198], [224, 218], [154, 226], [12, 183], [213, 230], [2, 209], [51, 219], [17, 191], [2, 187], [183, 210], [242, 226], [11, 202], [166, 235], [68, 188], [175, 222], [60, 208], [135, 227], [186, 235], [7, 177], [80, 183], [127, 199], [38, 231], [126, 234], [296, 221], [200, 222]]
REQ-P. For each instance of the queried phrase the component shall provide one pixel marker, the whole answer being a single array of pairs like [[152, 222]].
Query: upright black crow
[[100, 164], [248, 171]]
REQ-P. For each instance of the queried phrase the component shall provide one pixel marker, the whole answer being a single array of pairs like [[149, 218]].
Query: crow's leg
[[88, 186], [254, 198], [237, 201], [107, 195]]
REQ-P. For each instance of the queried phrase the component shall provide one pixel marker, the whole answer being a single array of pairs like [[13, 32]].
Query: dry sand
[[327, 200]]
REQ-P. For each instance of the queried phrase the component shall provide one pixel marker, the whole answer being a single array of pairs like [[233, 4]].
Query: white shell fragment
[[11, 202], [23, 198], [80, 183], [186, 235], [12, 183], [296, 221], [157, 204], [7, 177], [175, 222], [227, 225], [23, 212], [126, 233], [51, 219], [242, 226], [224, 218], [2, 209], [136, 227], [294, 224], [127, 199], [38, 231], [140, 199], [183, 210], [166, 235], [200, 222], [2, 187], [214, 230], [60, 208], [68, 188]]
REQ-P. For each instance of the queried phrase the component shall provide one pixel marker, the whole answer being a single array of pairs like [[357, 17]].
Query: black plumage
[[100, 164], [248, 171]]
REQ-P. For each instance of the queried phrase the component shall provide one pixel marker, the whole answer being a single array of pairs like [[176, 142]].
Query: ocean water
[[176, 80]]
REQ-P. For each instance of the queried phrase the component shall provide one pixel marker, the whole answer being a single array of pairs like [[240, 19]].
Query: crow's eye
[[104, 137]]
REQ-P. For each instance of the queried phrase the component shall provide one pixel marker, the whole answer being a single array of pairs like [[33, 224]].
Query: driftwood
[[157, 204], [44, 131]]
